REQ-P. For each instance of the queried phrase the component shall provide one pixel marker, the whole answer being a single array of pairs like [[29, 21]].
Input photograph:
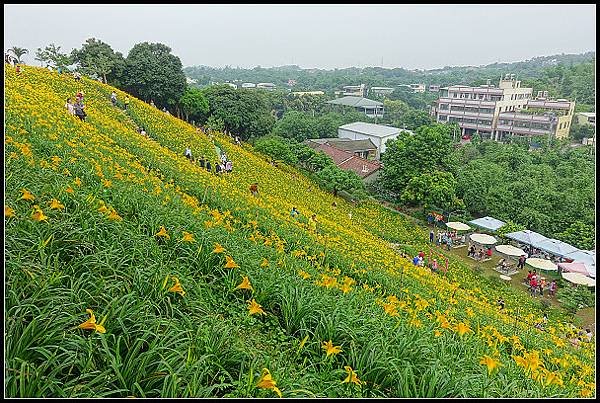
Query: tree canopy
[[98, 58]]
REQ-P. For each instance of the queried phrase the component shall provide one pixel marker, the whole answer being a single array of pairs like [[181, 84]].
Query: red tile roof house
[[365, 169]]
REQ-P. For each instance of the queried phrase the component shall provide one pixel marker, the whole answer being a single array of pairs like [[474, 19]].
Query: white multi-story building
[[476, 109], [266, 86], [354, 90], [378, 134]]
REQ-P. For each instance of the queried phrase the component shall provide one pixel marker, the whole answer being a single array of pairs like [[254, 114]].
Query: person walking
[[126, 102], [553, 288], [312, 223], [188, 153], [202, 161], [79, 110], [113, 98], [70, 107], [431, 236], [294, 213], [208, 166], [228, 166], [254, 189], [521, 263]]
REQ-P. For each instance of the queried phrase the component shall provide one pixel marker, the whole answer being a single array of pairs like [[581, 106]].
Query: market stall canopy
[[526, 236], [489, 223], [578, 278], [483, 239], [542, 264], [576, 267], [555, 247], [509, 250], [459, 226], [588, 257]]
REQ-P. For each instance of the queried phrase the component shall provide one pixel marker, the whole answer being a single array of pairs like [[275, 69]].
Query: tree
[[18, 52], [296, 125], [214, 123], [52, 56], [97, 58], [578, 131], [153, 73], [277, 148], [193, 104], [431, 189], [408, 156], [336, 179], [579, 234], [243, 112]]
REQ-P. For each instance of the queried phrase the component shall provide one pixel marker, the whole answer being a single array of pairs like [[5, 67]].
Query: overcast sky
[[313, 36]]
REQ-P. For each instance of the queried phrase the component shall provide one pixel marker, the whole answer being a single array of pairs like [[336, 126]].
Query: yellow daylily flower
[[163, 233], [264, 262], [55, 204], [69, 189], [90, 324], [176, 287], [218, 248], [231, 264], [266, 381], [114, 216], [490, 363], [437, 333], [462, 328], [77, 181], [352, 376], [8, 212], [38, 214], [27, 195], [188, 237], [303, 342], [255, 308], [244, 285], [330, 349], [303, 274]]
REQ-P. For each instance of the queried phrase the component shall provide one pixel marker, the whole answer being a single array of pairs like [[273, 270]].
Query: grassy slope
[[384, 312]]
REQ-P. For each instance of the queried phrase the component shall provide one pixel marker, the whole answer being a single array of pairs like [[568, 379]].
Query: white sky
[[313, 36]]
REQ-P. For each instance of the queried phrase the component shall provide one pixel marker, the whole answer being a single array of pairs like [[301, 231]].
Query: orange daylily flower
[[230, 263], [462, 328], [330, 349], [163, 233], [187, 237], [27, 195], [244, 285], [114, 216], [218, 248], [38, 214], [255, 308], [90, 324], [266, 381], [176, 287], [55, 204], [490, 363], [8, 212], [352, 376]]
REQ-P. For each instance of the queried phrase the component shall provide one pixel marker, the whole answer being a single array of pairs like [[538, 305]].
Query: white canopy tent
[[459, 226], [488, 223], [526, 236], [483, 239], [509, 250], [555, 247], [578, 278], [542, 264]]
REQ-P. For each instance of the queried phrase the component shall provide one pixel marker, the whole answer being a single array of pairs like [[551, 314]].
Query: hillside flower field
[[132, 272]]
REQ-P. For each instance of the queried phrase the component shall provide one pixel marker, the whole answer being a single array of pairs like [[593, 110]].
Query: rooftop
[[348, 161], [347, 144], [372, 129], [357, 102]]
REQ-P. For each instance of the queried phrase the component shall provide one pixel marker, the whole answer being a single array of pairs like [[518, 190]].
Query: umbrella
[[483, 239], [459, 226], [575, 267], [542, 264], [510, 250], [526, 236], [588, 257], [488, 223], [578, 278]]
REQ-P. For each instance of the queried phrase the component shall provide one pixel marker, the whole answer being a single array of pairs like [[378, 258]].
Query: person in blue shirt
[[415, 260]]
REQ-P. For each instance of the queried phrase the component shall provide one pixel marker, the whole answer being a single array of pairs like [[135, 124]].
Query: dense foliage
[[131, 271]]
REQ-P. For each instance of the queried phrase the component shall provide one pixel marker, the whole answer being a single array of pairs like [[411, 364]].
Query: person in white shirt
[[188, 152], [70, 107]]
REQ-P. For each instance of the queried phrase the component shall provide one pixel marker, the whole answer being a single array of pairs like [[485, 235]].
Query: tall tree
[[153, 73], [193, 104], [97, 58], [18, 52], [52, 56]]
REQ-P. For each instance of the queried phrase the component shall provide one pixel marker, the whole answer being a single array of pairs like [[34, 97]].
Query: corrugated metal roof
[[372, 129], [357, 102], [347, 144]]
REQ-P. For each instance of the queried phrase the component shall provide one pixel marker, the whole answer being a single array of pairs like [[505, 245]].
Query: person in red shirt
[[533, 285], [421, 254], [488, 252]]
